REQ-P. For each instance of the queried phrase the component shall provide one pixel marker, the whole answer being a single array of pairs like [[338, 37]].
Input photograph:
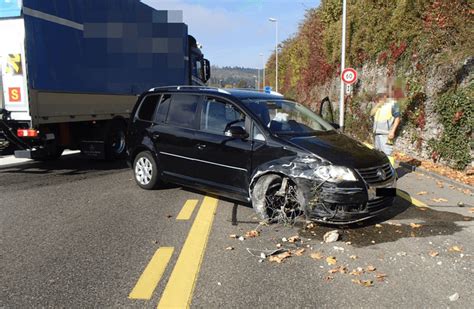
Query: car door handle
[[201, 146]]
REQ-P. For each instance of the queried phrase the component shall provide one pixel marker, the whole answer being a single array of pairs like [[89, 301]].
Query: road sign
[[349, 89], [349, 76]]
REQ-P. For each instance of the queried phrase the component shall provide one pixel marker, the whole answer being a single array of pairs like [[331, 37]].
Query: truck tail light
[[27, 133]]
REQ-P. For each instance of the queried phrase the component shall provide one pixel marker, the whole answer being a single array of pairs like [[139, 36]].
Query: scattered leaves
[[293, 239], [280, 257], [433, 253], [316, 255], [415, 225], [380, 277], [455, 249], [298, 252], [331, 260], [422, 193], [366, 283], [252, 234], [357, 272], [339, 269]]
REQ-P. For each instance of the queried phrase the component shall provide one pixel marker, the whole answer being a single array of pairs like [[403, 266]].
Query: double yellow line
[[179, 289]]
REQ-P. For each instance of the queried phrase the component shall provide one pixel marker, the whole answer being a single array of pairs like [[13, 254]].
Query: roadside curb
[[413, 168]]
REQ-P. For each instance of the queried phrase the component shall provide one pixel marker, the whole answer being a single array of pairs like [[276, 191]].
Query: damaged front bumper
[[349, 202]]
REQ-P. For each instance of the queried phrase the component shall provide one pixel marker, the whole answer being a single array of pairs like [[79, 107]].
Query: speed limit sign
[[349, 76]]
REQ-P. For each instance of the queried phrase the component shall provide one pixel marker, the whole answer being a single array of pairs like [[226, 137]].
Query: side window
[[217, 116], [182, 110], [163, 108], [147, 107], [257, 134]]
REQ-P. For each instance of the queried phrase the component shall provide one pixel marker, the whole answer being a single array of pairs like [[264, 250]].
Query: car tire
[[145, 170], [115, 141], [265, 190]]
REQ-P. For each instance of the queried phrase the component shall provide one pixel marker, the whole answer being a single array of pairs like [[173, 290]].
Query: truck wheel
[[145, 170], [115, 146]]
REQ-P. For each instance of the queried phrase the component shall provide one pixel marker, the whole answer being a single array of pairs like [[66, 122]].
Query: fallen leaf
[[293, 238], [415, 225], [356, 272], [331, 260], [371, 268], [422, 193], [380, 277], [331, 236], [353, 257], [333, 270], [433, 253], [398, 231], [280, 257], [252, 234], [316, 255], [233, 236], [229, 248], [366, 283], [455, 249], [467, 192], [339, 269], [422, 208], [298, 252], [471, 210], [439, 200], [328, 278], [378, 225], [440, 184], [412, 234]]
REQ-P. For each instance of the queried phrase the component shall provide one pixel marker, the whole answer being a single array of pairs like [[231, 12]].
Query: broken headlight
[[333, 173]]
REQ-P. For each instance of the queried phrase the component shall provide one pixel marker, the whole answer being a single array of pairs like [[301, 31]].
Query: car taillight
[[27, 133]]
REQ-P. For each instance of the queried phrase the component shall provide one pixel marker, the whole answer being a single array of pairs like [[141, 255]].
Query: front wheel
[[145, 170]]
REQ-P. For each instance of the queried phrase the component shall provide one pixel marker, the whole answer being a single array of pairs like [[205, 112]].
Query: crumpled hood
[[339, 149]]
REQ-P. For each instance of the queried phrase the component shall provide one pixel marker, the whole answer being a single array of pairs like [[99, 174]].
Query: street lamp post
[[343, 64], [263, 69], [274, 20]]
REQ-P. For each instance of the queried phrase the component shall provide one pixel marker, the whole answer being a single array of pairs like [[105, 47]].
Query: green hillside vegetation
[[408, 37], [238, 77]]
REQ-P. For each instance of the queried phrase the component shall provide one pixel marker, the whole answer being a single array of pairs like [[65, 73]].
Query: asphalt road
[[79, 233]]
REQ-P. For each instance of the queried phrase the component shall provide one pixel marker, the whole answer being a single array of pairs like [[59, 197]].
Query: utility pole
[[274, 20], [263, 69], [343, 64]]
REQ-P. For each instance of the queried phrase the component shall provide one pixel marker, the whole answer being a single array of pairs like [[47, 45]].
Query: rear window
[[147, 108], [182, 110]]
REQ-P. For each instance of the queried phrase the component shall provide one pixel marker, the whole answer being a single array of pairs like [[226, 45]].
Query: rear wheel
[[115, 146], [145, 170]]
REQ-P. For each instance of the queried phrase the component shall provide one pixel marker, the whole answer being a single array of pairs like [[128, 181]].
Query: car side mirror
[[207, 70], [236, 132]]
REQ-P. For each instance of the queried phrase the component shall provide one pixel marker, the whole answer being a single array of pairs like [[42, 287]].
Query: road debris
[[331, 260], [380, 277], [371, 268], [455, 249], [229, 248], [233, 236], [422, 193], [378, 225], [338, 248], [366, 283], [433, 253], [353, 257], [357, 272], [454, 297], [280, 257], [471, 210], [331, 236], [415, 225], [293, 239], [316, 255], [439, 200], [394, 223], [241, 238], [252, 234], [460, 204], [298, 252], [339, 269]]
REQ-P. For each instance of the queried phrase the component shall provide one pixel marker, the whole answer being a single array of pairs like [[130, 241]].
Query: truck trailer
[[71, 71]]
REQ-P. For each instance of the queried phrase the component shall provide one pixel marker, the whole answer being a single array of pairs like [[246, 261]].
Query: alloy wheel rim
[[143, 171]]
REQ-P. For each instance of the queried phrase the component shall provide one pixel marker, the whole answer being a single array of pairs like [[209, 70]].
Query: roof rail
[[179, 87]]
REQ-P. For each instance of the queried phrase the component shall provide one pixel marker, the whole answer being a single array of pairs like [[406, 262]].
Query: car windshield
[[287, 117]]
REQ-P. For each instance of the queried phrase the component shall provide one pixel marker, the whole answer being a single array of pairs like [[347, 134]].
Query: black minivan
[[256, 147]]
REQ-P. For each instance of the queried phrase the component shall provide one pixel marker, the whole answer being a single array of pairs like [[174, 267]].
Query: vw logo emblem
[[381, 173]]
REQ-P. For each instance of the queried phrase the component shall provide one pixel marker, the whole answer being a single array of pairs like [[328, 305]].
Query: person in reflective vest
[[386, 115]]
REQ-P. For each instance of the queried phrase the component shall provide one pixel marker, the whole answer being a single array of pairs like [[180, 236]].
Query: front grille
[[374, 175]]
